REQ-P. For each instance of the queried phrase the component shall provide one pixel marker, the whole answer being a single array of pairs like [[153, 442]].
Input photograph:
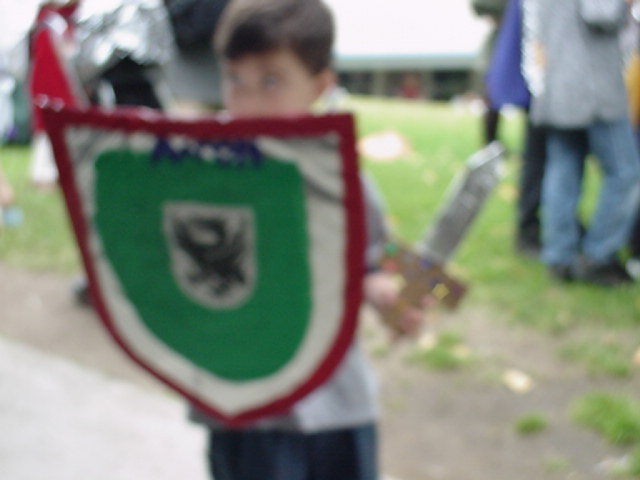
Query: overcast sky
[[407, 27], [365, 27]]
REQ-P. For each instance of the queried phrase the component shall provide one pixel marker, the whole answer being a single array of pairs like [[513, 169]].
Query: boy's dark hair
[[260, 26]]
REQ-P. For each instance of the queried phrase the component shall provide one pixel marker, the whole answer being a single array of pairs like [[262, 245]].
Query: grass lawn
[[440, 137], [44, 240], [602, 325]]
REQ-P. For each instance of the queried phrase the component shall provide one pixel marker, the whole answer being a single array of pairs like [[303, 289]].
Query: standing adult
[[193, 73], [631, 44], [573, 64], [507, 86], [494, 11]]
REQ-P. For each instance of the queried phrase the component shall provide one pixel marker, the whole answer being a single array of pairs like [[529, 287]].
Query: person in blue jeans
[[613, 146], [573, 65]]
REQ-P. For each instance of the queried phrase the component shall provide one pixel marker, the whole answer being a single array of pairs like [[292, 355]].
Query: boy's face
[[275, 83]]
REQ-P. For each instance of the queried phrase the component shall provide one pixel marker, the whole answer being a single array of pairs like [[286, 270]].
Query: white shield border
[[231, 402]]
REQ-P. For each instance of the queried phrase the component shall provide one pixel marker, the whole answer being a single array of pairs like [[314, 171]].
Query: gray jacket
[[574, 64]]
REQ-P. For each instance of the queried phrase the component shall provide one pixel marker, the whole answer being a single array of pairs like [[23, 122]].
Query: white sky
[[407, 27], [15, 19], [365, 27]]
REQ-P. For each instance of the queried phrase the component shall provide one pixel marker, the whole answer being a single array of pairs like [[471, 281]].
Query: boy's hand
[[381, 290]]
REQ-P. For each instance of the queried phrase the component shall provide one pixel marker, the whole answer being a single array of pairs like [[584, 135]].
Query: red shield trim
[[182, 197]]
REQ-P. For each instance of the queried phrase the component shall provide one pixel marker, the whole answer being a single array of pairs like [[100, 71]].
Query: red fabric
[[65, 11], [48, 76]]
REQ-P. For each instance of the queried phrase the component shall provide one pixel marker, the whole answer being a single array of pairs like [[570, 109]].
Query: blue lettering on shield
[[237, 154]]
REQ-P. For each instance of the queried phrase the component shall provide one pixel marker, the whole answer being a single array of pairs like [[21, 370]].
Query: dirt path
[[461, 425], [436, 425]]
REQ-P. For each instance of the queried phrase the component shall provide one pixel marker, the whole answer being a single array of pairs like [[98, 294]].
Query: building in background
[[381, 44]]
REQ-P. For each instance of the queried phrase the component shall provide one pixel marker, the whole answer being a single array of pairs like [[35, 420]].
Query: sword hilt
[[419, 277]]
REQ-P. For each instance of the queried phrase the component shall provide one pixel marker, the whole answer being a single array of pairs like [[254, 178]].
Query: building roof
[[406, 34]]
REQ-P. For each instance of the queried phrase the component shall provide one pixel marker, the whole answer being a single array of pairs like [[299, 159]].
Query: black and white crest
[[212, 251]]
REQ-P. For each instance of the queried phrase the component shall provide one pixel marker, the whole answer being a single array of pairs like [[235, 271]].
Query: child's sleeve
[[377, 228]]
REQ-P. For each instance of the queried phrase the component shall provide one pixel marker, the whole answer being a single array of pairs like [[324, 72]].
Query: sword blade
[[465, 198]]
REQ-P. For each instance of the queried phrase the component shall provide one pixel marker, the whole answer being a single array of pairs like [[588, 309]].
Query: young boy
[[276, 57]]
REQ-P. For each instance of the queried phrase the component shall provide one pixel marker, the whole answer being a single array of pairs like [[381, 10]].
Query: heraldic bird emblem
[[211, 250]]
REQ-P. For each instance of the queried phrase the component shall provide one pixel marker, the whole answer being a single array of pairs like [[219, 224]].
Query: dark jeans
[[533, 158], [615, 150], [280, 455], [634, 240], [533, 167]]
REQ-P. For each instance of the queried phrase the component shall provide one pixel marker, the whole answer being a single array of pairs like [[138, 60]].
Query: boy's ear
[[326, 80]]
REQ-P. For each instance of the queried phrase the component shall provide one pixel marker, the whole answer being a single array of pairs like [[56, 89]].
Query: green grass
[[513, 288], [615, 417], [441, 137], [44, 240], [601, 358], [448, 353], [530, 424], [634, 463]]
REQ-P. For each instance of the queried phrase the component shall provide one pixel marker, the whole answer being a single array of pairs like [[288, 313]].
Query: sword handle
[[419, 277]]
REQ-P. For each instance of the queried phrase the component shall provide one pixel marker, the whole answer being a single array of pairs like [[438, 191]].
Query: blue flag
[[504, 80]]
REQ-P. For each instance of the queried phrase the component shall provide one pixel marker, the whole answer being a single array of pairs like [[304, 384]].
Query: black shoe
[[611, 274], [561, 273], [528, 248]]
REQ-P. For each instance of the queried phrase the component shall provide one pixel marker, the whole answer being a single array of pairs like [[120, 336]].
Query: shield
[[225, 257]]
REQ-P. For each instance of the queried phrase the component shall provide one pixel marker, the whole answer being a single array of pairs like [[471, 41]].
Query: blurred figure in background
[[411, 87], [107, 53], [494, 11], [193, 73], [122, 48], [631, 44], [506, 85], [573, 65], [6, 114]]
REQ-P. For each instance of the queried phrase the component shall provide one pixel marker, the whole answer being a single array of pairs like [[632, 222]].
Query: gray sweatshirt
[[573, 61]]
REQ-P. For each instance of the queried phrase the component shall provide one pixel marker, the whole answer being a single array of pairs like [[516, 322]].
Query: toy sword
[[421, 269]]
